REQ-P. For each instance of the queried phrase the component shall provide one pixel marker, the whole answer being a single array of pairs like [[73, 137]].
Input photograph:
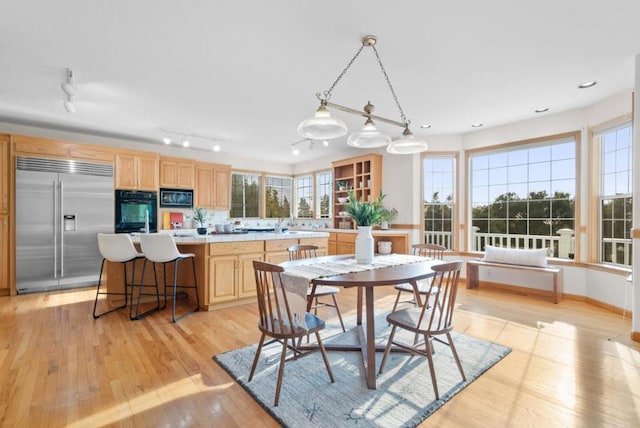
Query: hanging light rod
[[364, 113], [322, 126]]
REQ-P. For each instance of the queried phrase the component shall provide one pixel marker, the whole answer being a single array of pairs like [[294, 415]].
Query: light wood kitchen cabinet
[[231, 270], [136, 171], [4, 255], [213, 186], [345, 242], [276, 250], [222, 187], [177, 173], [231, 278], [4, 174], [45, 147]]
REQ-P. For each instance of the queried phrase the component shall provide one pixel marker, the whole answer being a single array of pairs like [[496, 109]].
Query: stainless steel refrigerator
[[61, 206]]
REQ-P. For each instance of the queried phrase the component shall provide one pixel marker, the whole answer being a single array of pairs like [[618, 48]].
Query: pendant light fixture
[[323, 126]]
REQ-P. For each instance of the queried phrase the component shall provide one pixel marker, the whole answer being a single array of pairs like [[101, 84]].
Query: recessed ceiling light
[[326, 143], [295, 151], [588, 84], [541, 110], [216, 148], [166, 140], [185, 143], [425, 126], [476, 125]]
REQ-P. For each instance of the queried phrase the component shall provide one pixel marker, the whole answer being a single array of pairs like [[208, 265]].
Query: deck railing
[[616, 251]]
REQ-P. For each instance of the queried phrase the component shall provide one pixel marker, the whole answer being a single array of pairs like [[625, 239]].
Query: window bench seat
[[473, 277]]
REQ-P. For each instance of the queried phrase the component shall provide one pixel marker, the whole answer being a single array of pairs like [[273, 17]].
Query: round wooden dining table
[[366, 281]]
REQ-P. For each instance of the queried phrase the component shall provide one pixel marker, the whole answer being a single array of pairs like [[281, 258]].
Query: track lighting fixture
[[69, 88]]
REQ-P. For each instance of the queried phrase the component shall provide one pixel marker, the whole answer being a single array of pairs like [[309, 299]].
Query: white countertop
[[374, 231], [191, 237]]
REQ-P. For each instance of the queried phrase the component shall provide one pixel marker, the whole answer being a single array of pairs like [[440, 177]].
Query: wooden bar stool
[[118, 248], [162, 248]]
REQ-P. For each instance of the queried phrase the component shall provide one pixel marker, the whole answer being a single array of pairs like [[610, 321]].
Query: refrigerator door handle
[[61, 229], [55, 230]]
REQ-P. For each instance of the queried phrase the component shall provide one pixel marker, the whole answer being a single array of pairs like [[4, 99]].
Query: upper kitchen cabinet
[[213, 186], [4, 174], [137, 171], [177, 173], [48, 148]]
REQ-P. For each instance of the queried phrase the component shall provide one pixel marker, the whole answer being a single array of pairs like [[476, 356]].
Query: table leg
[[371, 342], [473, 278]]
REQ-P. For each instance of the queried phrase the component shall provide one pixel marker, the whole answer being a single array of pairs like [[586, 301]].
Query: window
[[324, 190], [615, 146], [304, 196], [521, 197], [245, 195], [278, 193], [438, 187]]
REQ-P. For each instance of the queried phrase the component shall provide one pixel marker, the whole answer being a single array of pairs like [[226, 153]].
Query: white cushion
[[514, 256]]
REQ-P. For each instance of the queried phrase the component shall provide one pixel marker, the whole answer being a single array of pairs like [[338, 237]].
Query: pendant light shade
[[369, 137], [322, 126], [407, 144]]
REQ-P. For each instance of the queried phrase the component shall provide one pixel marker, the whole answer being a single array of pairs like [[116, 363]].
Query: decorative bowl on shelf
[[343, 214], [343, 200]]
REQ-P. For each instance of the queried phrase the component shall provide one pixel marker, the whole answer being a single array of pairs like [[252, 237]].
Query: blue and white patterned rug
[[404, 397]]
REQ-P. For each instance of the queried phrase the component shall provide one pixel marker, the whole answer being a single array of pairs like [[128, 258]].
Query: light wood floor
[[572, 365]]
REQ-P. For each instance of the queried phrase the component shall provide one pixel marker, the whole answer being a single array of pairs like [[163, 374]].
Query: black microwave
[[176, 198]]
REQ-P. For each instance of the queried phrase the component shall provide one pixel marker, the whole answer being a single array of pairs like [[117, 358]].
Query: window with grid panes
[[324, 192], [438, 200], [523, 195], [278, 193], [304, 196], [245, 195], [616, 193]]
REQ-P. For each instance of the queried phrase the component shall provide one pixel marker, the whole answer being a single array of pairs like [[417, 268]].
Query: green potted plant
[[200, 216], [387, 216], [365, 215]]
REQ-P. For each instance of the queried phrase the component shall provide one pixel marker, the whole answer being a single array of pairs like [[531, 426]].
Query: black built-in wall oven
[[132, 208]]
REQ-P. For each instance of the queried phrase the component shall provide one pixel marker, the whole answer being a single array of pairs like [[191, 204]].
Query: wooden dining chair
[[432, 251], [277, 321], [431, 322], [297, 252]]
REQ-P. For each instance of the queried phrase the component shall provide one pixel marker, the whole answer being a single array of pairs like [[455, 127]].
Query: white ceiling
[[245, 73]]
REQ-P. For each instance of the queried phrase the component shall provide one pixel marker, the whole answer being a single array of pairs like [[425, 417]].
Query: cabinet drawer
[[347, 237], [318, 242], [279, 244], [239, 247]]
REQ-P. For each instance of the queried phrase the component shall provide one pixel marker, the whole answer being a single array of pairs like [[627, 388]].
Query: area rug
[[404, 396]]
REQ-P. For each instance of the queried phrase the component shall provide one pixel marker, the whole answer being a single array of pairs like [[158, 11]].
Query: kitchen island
[[224, 263]]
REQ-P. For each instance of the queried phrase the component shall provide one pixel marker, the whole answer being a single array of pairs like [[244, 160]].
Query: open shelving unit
[[363, 174]]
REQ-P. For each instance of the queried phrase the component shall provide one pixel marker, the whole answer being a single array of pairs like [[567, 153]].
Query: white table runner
[[296, 278]]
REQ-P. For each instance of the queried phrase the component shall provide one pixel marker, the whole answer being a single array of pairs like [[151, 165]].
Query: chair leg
[[176, 286], [432, 370], [387, 349], [395, 305], [138, 315], [98, 293], [256, 358], [455, 356], [324, 357], [283, 358], [335, 303]]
